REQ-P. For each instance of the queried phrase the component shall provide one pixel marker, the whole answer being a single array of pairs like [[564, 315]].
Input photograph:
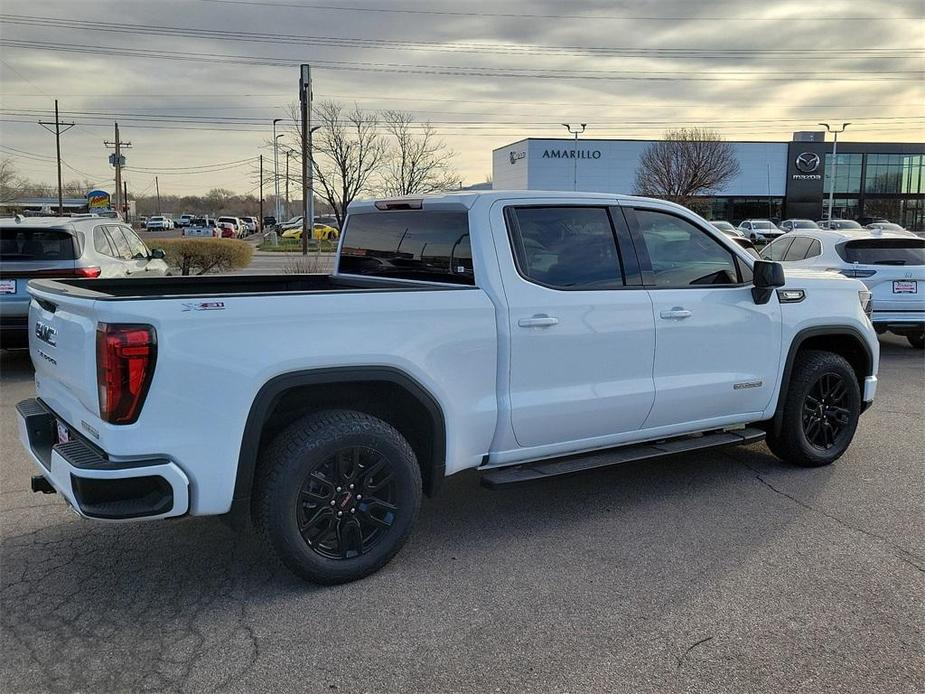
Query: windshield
[[845, 224], [884, 251], [762, 225], [804, 224], [36, 244]]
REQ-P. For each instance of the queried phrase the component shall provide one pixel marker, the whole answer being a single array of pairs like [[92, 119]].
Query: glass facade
[[847, 173], [891, 186], [736, 209], [893, 173]]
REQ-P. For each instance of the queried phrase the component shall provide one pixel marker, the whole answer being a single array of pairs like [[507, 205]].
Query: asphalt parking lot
[[719, 572]]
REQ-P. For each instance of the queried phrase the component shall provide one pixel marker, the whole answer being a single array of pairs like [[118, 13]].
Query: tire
[[917, 341], [811, 437], [303, 480]]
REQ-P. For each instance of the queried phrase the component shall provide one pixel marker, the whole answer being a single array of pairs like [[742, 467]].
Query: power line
[[261, 121], [519, 15], [461, 47], [460, 71]]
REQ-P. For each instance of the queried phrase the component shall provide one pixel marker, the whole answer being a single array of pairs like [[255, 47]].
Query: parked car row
[[765, 231], [241, 226]]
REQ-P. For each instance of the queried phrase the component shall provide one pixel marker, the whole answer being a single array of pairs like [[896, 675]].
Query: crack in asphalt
[[69, 625], [903, 554], [690, 648]]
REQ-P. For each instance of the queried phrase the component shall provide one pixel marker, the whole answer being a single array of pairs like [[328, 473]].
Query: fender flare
[[269, 394], [796, 343]]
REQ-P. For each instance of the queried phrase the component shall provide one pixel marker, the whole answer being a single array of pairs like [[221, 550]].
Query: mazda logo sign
[[808, 162]]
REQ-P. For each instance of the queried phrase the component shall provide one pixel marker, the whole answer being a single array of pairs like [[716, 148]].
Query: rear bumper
[[902, 321], [95, 486]]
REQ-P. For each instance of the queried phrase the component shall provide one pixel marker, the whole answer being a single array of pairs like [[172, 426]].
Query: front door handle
[[677, 313], [538, 321]]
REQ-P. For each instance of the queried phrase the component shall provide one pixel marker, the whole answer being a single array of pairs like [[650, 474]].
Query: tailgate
[[62, 344], [897, 288], [893, 268]]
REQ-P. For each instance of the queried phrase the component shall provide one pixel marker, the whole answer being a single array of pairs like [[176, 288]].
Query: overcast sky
[[747, 68]]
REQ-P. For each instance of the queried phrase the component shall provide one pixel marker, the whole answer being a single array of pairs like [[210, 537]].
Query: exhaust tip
[[41, 484]]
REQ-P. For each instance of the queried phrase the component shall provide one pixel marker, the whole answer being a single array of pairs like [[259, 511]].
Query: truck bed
[[126, 288]]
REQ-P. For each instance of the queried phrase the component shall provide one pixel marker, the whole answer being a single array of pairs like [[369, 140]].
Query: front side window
[[683, 255], [135, 244], [566, 247], [408, 244]]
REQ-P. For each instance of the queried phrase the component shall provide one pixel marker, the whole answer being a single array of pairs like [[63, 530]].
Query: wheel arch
[[844, 340], [386, 392]]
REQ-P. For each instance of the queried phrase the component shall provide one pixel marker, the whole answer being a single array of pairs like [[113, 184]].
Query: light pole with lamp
[[835, 132], [576, 132], [276, 170]]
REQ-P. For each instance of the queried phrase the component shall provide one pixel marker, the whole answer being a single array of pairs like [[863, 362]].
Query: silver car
[[60, 247]]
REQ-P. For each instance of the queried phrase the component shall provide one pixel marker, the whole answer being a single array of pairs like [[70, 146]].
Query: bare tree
[[685, 165], [348, 151], [11, 185], [417, 160]]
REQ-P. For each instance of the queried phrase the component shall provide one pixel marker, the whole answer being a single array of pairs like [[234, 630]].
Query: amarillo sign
[[571, 154]]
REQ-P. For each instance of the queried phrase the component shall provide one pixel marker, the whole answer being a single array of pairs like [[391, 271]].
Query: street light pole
[[834, 162], [276, 171], [580, 128]]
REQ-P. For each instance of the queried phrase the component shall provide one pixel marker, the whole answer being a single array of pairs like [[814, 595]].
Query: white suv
[[891, 264], [759, 230]]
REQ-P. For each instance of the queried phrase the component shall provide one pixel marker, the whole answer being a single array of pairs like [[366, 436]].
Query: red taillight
[[87, 272], [125, 357]]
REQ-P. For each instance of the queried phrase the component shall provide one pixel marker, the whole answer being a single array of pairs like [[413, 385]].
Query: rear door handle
[[677, 313], [538, 321]]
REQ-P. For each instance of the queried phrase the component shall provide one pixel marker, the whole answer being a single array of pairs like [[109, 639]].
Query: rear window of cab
[[408, 244]]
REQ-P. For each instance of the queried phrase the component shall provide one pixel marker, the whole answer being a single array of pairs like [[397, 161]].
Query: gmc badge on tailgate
[[45, 333]]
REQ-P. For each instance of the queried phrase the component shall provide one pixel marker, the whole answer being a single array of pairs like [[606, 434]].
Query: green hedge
[[199, 256]]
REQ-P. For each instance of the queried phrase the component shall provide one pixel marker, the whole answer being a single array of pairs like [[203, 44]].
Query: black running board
[[569, 465]]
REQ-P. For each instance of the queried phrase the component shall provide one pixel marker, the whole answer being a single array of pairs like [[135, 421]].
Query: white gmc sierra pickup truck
[[525, 334]]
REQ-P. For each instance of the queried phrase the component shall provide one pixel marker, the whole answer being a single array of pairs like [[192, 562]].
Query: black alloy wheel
[[819, 412], [826, 411], [347, 503], [336, 494]]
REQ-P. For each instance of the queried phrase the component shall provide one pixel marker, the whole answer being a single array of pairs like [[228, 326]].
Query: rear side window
[[815, 248], [411, 245], [798, 248], [777, 249], [884, 251], [101, 242], [17, 243], [566, 247]]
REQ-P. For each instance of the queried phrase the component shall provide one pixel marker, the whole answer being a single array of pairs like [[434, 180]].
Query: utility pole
[[261, 192], [308, 186], [118, 161], [157, 192], [834, 163], [576, 132], [57, 131]]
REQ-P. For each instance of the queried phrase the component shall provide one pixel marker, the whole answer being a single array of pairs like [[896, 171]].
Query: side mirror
[[767, 275], [157, 254]]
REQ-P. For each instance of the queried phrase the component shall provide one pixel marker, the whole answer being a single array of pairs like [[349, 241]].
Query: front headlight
[[866, 303]]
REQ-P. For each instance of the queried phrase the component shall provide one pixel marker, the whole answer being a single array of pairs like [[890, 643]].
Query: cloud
[[475, 113]]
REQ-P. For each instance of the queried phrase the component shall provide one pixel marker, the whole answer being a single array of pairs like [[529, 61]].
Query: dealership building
[[776, 179]]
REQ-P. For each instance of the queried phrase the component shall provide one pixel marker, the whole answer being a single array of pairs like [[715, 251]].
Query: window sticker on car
[[7, 286]]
